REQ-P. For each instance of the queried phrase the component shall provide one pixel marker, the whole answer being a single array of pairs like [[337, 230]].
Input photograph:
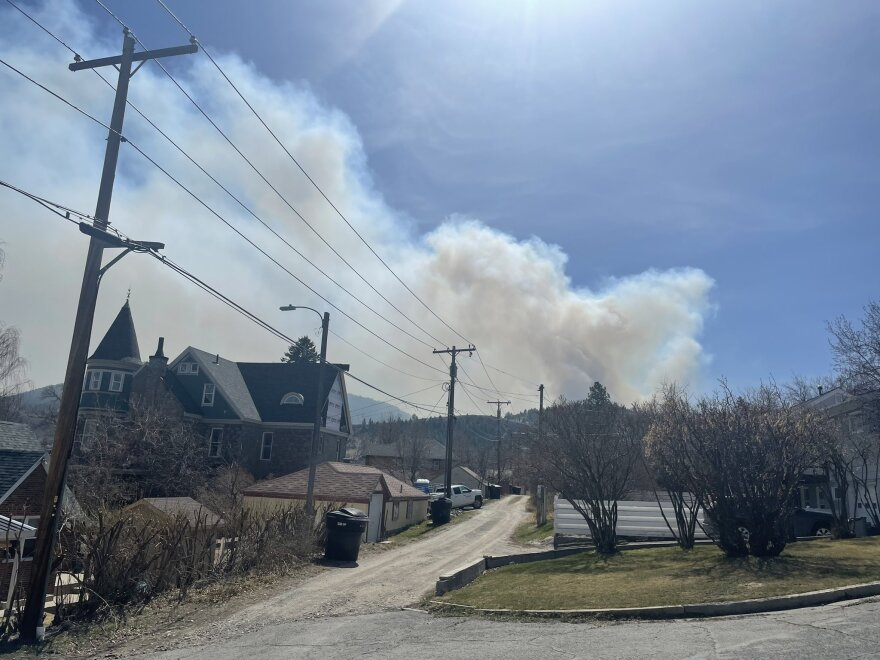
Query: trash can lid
[[348, 512]]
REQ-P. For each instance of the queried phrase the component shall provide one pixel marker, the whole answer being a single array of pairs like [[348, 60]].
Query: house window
[[215, 443], [95, 380], [90, 428], [266, 447], [395, 510], [409, 509], [208, 394], [292, 398], [188, 368], [116, 381], [435, 464]]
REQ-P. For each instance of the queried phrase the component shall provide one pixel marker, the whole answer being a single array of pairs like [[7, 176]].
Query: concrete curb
[[753, 606], [467, 574]]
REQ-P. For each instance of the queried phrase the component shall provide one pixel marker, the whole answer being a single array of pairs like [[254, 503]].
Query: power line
[[219, 217], [233, 196], [306, 174], [275, 189], [379, 403], [48, 204], [77, 57]]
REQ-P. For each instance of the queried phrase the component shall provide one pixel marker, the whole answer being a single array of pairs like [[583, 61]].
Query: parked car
[[462, 496], [804, 522]]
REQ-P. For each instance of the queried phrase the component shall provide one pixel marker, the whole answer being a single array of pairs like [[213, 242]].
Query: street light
[[316, 430]]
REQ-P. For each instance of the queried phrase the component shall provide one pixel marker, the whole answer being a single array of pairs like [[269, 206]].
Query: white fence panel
[[634, 518]]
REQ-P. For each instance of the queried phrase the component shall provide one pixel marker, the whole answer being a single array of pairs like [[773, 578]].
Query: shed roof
[[337, 482], [185, 507]]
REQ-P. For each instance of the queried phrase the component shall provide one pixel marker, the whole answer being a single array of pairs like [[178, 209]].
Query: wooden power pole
[[450, 410], [498, 434], [65, 428]]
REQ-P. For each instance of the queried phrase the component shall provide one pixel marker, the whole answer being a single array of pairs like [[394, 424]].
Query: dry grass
[[670, 576]]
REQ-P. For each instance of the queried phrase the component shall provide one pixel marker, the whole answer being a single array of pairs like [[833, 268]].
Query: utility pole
[[65, 428], [319, 408], [450, 410], [540, 414], [498, 434]]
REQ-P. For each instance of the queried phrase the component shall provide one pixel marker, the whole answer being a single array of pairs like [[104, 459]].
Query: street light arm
[[292, 308]]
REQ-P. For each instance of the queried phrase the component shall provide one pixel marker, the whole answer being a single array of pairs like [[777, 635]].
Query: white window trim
[[211, 453], [188, 368], [205, 393], [95, 376], [293, 399], [114, 382], [90, 428], [271, 436]]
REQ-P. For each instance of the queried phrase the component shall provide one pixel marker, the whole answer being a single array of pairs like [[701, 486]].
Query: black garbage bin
[[494, 492], [345, 528], [441, 511], [516, 490]]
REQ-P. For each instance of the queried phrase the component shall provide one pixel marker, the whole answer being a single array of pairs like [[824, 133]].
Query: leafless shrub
[[124, 560], [742, 457]]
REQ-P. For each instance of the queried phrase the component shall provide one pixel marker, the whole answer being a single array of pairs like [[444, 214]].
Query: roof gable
[[227, 378], [268, 382], [120, 342], [15, 467]]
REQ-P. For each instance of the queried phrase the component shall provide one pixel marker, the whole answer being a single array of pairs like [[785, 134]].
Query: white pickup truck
[[462, 496]]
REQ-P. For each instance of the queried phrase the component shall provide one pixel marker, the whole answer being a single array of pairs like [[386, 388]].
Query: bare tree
[[590, 457], [742, 456], [857, 350], [13, 367], [412, 451]]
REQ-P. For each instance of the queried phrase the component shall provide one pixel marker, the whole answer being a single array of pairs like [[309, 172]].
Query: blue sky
[[738, 138]]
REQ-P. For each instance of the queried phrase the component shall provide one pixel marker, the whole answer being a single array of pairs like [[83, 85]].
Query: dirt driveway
[[383, 580]]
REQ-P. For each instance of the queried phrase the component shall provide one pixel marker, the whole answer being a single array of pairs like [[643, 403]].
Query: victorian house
[[257, 414]]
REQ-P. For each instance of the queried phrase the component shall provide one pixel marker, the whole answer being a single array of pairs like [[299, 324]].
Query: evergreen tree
[[301, 352], [598, 395]]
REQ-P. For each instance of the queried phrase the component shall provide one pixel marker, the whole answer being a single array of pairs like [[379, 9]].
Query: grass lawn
[[670, 576], [528, 532]]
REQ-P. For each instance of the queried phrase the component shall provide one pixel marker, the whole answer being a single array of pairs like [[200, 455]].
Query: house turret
[[110, 368]]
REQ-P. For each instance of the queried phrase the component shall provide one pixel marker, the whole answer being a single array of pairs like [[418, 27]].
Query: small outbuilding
[[390, 503], [461, 475]]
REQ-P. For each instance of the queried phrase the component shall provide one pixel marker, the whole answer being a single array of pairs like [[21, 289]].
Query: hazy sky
[[616, 190]]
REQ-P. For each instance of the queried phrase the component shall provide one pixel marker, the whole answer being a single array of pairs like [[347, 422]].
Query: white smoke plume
[[512, 298]]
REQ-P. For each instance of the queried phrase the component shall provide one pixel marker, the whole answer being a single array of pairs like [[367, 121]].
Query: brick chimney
[[148, 383]]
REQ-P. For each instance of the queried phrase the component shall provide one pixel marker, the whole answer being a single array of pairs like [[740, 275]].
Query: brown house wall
[[25, 501]]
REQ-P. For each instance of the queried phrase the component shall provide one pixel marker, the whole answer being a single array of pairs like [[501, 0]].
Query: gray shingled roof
[[337, 482], [226, 375], [14, 465], [185, 507], [19, 437], [120, 342], [268, 382]]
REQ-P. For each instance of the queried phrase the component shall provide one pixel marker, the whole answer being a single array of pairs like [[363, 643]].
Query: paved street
[[835, 631]]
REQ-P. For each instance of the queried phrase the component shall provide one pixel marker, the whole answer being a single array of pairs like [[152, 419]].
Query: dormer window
[[208, 394], [116, 381], [94, 380], [292, 399], [188, 368]]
